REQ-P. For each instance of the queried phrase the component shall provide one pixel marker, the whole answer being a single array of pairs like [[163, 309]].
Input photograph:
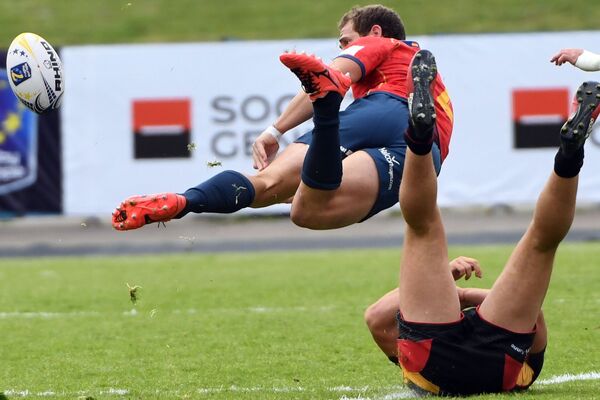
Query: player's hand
[[465, 266], [264, 150], [566, 55]]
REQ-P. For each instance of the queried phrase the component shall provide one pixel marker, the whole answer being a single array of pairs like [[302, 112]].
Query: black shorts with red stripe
[[470, 356]]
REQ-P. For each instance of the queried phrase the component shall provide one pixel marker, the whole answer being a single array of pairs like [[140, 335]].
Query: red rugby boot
[[317, 79], [137, 211]]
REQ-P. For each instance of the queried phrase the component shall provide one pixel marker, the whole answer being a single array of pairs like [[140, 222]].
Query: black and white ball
[[35, 72]]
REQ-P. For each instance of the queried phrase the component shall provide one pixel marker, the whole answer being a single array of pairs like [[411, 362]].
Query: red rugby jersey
[[384, 63]]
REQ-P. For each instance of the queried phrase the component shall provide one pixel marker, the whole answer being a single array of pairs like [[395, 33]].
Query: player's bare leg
[[279, 181], [346, 205], [427, 289], [517, 296], [226, 192], [319, 193]]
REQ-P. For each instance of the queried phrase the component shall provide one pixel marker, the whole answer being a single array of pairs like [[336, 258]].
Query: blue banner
[[30, 156]]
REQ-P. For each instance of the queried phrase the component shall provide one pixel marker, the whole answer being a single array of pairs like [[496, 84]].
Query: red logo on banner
[[162, 128], [538, 115]]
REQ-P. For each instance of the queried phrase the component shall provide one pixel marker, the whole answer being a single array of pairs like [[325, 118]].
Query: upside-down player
[[446, 351], [382, 321]]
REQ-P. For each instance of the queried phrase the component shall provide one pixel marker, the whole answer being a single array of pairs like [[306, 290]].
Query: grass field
[[116, 21], [246, 326]]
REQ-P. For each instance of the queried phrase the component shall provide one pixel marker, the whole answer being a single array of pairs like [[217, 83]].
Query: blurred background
[[71, 22], [215, 65]]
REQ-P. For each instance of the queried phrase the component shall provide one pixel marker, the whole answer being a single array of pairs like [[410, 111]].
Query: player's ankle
[[327, 107]]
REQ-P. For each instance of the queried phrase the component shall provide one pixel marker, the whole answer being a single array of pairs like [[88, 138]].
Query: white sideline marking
[[50, 393], [134, 312], [405, 394], [262, 310], [13, 392], [115, 391], [400, 394], [46, 314], [348, 389], [238, 389], [586, 376]]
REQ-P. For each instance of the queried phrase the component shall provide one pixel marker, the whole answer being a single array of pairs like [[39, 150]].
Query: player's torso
[[384, 63], [389, 75]]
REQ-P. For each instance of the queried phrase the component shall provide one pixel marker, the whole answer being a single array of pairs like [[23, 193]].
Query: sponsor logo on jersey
[[517, 349], [391, 160]]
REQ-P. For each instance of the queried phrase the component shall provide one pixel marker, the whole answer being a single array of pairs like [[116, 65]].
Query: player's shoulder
[[410, 43], [381, 40], [388, 43]]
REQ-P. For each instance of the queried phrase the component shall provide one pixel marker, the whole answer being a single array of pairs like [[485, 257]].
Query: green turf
[[115, 21], [244, 326]]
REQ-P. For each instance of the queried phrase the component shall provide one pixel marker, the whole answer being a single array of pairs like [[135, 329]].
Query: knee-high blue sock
[[224, 193], [322, 168]]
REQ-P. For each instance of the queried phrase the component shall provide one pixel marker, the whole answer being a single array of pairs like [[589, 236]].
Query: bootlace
[[122, 216], [307, 79]]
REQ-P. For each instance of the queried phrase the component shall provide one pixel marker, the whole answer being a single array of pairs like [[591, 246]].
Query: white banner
[[218, 96]]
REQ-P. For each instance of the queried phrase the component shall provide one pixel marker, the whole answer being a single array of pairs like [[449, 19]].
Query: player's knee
[[544, 242], [267, 189], [300, 218], [306, 218]]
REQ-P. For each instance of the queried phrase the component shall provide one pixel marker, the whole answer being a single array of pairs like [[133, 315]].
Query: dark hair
[[365, 17]]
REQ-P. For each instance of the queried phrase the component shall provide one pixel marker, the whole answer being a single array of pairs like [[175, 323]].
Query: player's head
[[364, 18]]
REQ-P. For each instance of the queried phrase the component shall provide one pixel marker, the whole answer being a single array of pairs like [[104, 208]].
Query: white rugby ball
[[35, 72]]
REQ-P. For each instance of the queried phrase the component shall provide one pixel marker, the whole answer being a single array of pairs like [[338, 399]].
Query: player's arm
[[381, 321], [348, 66], [381, 316], [266, 145], [465, 266], [471, 297], [582, 59]]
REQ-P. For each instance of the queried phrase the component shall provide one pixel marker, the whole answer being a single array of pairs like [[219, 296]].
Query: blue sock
[[224, 193], [322, 168], [568, 167]]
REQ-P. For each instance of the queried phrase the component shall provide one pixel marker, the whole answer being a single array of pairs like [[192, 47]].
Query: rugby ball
[[35, 72]]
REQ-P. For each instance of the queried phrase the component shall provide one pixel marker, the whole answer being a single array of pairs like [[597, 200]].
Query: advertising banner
[[165, 117], [30, 153]]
